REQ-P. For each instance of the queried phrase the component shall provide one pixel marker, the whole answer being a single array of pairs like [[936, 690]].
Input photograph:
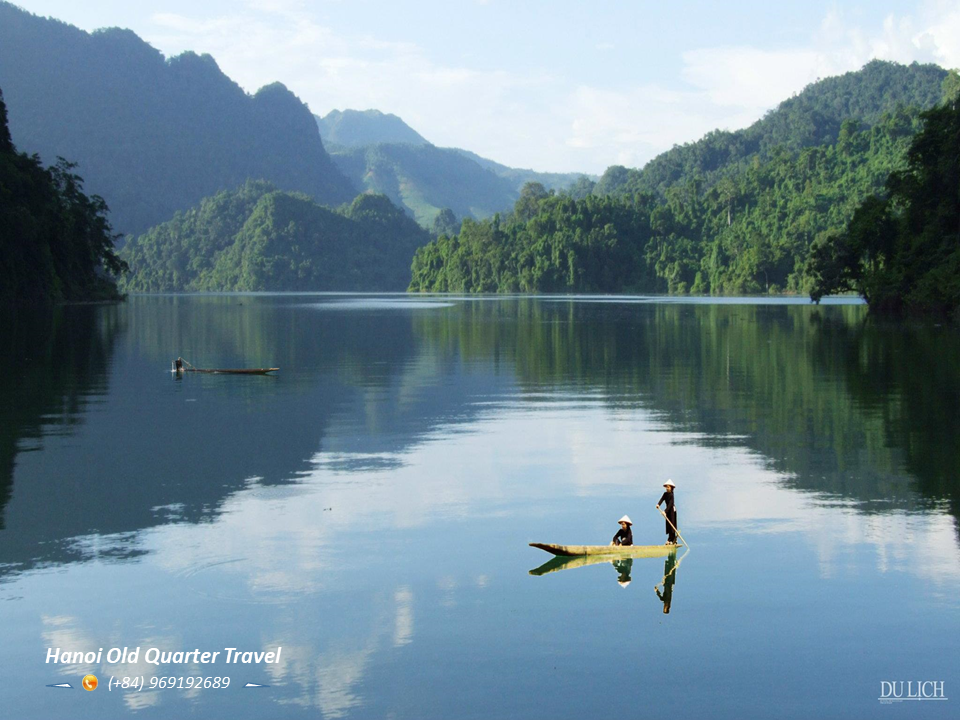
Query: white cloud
[[745, 77], [630, 127], [752, 78]]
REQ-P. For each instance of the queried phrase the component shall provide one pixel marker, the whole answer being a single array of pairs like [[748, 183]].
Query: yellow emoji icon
[[89, 682]]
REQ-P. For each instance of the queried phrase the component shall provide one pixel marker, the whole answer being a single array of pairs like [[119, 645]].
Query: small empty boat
[[181, 366], [230, 371], [608, 551]]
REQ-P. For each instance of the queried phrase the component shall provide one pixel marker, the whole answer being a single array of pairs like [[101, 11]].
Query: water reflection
[[219, 511], [623, 568], [836, 405], [669, 579]]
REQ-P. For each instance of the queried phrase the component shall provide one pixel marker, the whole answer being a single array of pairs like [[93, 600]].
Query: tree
[[903, 251], [445, 223], [530, 196], [55, 241]]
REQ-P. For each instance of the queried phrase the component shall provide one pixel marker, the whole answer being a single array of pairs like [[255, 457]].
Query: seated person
[[624, 535]]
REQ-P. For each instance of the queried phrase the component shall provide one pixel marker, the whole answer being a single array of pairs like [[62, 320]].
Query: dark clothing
[[667, 498], [624, 536], [623, 568], [669, 578], [671, 512]]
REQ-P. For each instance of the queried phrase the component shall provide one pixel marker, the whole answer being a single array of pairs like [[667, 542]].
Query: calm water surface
[[369, 508]]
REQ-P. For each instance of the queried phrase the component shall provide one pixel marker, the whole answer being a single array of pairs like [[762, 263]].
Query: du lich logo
[[892, 691]]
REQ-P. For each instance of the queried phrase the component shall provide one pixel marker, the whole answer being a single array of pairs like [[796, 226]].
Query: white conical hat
[[671, 483], [623, 583], [626, 519]]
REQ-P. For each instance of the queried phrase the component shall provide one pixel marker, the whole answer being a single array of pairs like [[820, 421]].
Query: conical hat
[[626, 519], [670, 483]]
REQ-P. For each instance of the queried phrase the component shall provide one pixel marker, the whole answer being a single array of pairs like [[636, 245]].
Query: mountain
[[381, 153], [353, 128], [424, 179], [152, 135], [814, 117], [519, 177], [750, 232], [55, 242], [259, 238]]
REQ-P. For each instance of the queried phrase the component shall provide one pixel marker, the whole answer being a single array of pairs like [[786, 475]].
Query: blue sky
[[558, 85]]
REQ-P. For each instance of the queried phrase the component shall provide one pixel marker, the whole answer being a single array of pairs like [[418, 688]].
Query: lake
[[369, 508]]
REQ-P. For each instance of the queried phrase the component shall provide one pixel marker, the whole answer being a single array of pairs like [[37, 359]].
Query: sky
[[559, 86]]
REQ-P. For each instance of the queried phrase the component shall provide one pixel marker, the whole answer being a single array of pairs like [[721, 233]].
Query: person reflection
[[669, 577], [623, 568]]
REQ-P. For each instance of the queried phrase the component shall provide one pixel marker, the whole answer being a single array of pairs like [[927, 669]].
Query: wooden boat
[[608, 552], [229, 371]]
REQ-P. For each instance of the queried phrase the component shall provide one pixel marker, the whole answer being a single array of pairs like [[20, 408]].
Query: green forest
[[741, 226], [811, 118], [260, 238], [56, 243], [901, 250], [749, 233]]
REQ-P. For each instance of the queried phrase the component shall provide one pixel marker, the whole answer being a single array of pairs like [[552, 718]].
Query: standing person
[[624, 535], [670, 511]]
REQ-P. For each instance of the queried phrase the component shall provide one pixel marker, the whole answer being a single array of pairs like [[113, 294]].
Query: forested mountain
[[736, 213], [750, 233], [813, 117], [152, 135], [55, 242], [381, 153], [260, 238], [901, 250], [353, 128]]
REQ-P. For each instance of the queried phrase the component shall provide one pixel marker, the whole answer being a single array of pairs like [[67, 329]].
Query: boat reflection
[[623, 566]]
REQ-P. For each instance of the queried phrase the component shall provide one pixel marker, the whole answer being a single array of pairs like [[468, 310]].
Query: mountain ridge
[[152, 135], [811, 118], [381, 153]]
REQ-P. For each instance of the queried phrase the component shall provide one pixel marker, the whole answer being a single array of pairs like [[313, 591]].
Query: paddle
[[673, 526]]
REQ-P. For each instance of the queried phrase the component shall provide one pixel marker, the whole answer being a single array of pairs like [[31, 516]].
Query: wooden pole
[[673, 526]]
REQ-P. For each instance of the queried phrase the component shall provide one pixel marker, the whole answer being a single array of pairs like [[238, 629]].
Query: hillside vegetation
[[425, 179], [746, 228], [152, 135], [260, 238], [380, 153], [811, 118], [748, 234], [901, 250], [55, 241]]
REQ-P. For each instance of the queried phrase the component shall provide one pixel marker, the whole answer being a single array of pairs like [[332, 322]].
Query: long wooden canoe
[[231, 371], [610, 551]]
